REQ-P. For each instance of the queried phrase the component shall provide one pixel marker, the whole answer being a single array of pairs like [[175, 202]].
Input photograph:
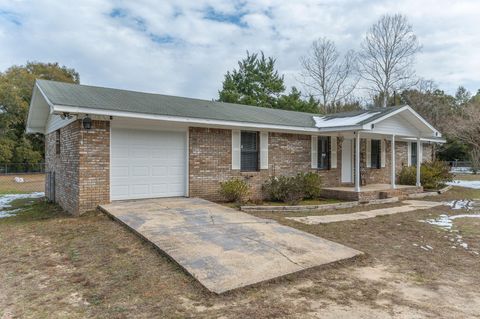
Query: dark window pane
[[57, 142], [414, 153], [323, 152], [375, 153], [249, 151]]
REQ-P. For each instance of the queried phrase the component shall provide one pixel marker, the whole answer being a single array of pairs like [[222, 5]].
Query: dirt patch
[[57, 266]]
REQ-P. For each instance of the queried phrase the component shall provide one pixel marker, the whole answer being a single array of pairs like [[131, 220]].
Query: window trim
[[327, 152], [58, 142], [375, 157], [257, 151]]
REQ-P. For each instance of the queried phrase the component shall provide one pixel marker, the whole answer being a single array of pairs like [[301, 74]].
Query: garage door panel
[[147, 164], [120, 171], [140, 171]]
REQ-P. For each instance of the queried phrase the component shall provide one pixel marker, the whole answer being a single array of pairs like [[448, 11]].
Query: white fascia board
[[168, 118], [340, 128]]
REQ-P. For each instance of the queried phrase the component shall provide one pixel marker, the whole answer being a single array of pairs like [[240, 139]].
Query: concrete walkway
[[222, 248], [411, 205]]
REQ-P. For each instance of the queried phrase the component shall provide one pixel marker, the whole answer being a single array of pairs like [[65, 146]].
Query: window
[[249, 157], [57, 142], [413, 154], [323, 152], [375, 154]]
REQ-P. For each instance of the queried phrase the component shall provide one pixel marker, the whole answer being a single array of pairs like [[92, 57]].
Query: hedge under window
[[375, 153], [323, 152], [249, 157]]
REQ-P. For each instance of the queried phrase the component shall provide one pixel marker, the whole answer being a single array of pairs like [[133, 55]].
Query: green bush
[[287, 189], [235, 190], [292, 189], [312, 184], [433, 175]]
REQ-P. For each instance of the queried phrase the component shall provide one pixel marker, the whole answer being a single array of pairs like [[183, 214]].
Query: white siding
[[54, 122], [395, 125]]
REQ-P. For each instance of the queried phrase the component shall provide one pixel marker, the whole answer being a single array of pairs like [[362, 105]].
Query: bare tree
[[327, 75], [387, 56], [466, 129]]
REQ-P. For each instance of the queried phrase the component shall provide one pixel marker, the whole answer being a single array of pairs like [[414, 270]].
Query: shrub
[[292, 189], [433, 175], [312, 184], [235, 190], [284, 189]]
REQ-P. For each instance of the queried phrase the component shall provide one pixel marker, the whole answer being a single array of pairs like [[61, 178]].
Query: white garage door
[[147, 164]]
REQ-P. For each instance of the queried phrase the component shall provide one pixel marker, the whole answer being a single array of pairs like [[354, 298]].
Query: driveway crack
[[277, 250]]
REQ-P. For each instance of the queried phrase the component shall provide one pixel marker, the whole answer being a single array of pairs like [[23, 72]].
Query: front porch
[[370, 192]]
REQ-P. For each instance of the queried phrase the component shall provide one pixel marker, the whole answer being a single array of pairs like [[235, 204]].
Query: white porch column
[[357, 162], [419, 161], [393, 164]]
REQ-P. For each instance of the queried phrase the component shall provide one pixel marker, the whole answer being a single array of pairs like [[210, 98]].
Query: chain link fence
[[21, 178]]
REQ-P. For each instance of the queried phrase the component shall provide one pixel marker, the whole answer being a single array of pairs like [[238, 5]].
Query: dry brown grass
[[58, 266], [32, 183]]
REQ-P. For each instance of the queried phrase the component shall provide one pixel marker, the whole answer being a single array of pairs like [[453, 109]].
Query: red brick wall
[[65, 165], [82, 169], [210, 156]]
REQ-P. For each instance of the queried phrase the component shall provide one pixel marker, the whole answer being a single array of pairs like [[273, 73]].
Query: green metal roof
[[76, 95]]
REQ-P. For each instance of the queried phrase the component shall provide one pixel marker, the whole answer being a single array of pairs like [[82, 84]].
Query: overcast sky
[[184, 47]]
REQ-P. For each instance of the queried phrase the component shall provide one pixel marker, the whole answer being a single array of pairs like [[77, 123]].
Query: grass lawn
[[56, 266], [32, 183], [467, 177]]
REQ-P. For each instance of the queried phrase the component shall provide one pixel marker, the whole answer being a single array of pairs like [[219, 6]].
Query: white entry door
[[347, 168], [147, 164]]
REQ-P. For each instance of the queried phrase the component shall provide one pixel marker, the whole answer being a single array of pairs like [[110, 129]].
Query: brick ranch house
[[106, 144]]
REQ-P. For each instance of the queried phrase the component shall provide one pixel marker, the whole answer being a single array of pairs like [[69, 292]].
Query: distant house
[[106, 144]]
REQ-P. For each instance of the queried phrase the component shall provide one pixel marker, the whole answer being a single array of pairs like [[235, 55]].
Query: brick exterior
[[210, 156], [82, 169]]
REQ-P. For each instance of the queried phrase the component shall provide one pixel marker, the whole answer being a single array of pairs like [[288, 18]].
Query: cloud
[[185, 47]]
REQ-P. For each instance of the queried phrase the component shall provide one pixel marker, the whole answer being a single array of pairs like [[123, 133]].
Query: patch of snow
[[326, 121], [462, 170], [467, 184], [464, 245], [8, 213], [460, 204], [5, 201], [443, 221], [424, 248]]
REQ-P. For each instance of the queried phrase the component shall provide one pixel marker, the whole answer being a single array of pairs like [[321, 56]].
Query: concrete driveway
[[222, 248]]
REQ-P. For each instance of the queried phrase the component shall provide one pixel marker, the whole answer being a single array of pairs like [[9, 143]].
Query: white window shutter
[[421, 152], [383, 156], [409, 154], [314, 151], [333, 152], [263, 150], [369, 153], [235, 149]]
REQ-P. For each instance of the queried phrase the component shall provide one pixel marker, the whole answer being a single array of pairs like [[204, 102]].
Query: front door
[[347, 152]]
